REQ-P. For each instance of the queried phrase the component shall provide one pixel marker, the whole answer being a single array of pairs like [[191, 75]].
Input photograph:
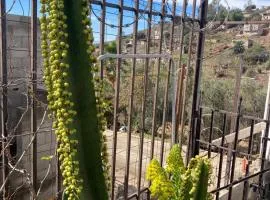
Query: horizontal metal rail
[[137, 56], [234, 114], [240, 180], [244, 133], [135, 195], [141, 11]]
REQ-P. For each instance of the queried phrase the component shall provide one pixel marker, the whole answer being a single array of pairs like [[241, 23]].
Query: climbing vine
[[75, 97]]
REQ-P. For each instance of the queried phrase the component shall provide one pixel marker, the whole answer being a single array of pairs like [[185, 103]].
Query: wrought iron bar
[[34, 95], [102, 35], [157, 83], [234, 147], [141, 11], [221, 155], [4, 111], [196, 90], [135, 33], [198, 133], [211, 133], [240, 180], [246, 183], [180, 79], [117, 91], [191, 35]]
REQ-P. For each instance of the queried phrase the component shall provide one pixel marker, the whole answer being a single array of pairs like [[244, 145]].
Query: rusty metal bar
[[221, 155], [211, 134], [233, 119], [102, 35], [198, 133], [34, 95], [246, 183], [240, 180], [149, 31], [234, 148], [179, 85], [4, 111], [165, 106], [117, 91], [141, 11], [135, 33], [197, 77], [58, 180], [135, 195], [191, 35], [144, 103], [154, 121]]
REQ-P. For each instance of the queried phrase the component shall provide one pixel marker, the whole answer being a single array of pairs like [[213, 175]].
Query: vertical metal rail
[[102, 35], [196, 90], [58, 180], [165, 106], [131, 95], [117, 90], [211, 133], [149, 31], [154, 107], [154, 120], [234, 147], [235, 106], [264, 148], [34, 95], [180, 75], [246, 183], [198, 132], [4, 111], [221, 155], [182, 120]]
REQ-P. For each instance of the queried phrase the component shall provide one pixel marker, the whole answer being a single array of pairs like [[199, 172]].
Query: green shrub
[[175, 182], [239, 47], [256, 55], [267, 65], [251, 73]]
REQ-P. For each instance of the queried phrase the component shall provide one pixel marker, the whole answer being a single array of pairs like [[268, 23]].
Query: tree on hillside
[[236, 15], [256, 16], [216, 11]]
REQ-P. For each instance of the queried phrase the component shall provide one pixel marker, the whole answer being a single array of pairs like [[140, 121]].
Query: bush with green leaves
[[256, 55], [239, 47], [175, 182]]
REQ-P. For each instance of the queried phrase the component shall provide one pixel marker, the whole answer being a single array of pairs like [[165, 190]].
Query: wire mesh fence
[[149, 49]]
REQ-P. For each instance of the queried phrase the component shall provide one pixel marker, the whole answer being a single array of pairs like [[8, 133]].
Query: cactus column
[[74, 97]]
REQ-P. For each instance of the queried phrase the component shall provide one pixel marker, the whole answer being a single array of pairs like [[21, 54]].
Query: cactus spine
[[174, 182], [75, 97]]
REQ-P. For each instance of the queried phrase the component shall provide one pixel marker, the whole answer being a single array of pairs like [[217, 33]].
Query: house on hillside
[[266, 14]]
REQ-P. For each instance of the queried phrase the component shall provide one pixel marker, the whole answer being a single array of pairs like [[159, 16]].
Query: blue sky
[[22, 7]]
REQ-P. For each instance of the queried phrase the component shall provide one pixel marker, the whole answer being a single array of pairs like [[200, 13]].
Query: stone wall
[[18, 61]]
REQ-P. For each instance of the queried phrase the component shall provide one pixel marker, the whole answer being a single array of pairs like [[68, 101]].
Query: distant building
[[266, 14], [251, 28]]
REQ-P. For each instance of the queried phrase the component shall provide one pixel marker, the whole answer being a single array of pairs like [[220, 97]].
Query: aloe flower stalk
[[75, 98]]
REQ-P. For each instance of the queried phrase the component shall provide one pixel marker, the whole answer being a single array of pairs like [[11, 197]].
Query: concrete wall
[[18, 55]]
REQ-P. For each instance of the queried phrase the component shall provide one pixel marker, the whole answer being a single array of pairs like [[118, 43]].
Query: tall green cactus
[[175, 182], [75, 97]]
